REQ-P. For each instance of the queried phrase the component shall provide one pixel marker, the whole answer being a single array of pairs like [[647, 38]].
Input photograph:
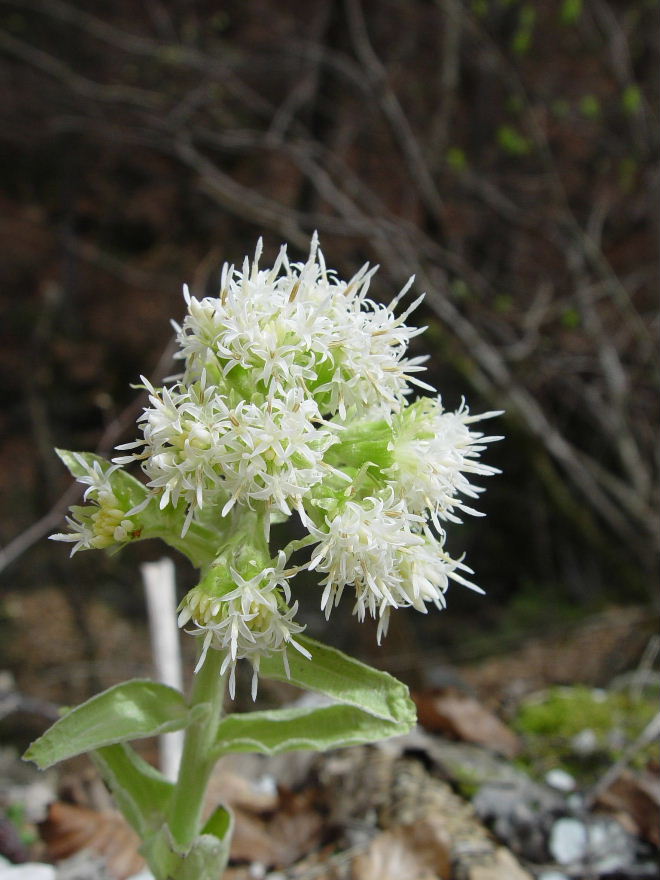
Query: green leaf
[[512, 141], [628, 169], [343, 679], [522, 39], [131, 710], [503, 303], [299, 729], [632, 99], [456, 159], [368, 705], [142, 792], [571, 10], [220, 824], [590, 106], [571, 318]]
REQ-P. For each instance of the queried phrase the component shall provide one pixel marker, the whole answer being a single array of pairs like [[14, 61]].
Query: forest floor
[[536, 763]]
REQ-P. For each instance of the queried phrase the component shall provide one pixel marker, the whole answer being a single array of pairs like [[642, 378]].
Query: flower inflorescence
[[105, 522], [295, 397]]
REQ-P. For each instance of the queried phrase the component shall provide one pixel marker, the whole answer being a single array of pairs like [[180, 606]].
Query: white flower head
[[273, 451], [182, 431], [199, 449], [435, 455], [388, 556], [296, 383], [363, 546], [105, 521], [372, 376], [298, 326], [249, 622], [294, 396]]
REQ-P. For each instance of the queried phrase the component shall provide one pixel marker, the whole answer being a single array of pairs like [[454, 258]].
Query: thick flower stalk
[[295, 399]]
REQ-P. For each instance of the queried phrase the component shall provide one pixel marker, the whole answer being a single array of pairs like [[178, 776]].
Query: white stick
[[160, 591]]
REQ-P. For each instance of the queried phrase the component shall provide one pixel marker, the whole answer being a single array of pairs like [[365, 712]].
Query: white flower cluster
[[434, 452], [250, 621], [388, 555], [201, 449], [104, 523], [299, 326], [295, 397]]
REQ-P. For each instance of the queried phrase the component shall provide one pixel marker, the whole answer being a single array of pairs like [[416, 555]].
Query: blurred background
[[503, 151]]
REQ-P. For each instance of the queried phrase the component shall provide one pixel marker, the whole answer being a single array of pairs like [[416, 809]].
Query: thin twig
[[116, 428], [650, 733]]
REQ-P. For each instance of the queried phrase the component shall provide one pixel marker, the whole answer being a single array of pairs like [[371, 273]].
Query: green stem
[[199, 543], [298, 544], [197, 760]]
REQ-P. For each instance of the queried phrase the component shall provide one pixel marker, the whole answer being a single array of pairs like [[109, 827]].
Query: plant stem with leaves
[[294, 401]]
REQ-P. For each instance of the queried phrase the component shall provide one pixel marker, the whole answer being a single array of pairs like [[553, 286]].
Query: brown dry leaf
[[407, 852], [298, 823], [638, 796], [49, 665], [253, 842], [326, 863], [253, 839], [464, 717], [502, 865], [293, 832], [596, 650], [235, 791], [69, 829]]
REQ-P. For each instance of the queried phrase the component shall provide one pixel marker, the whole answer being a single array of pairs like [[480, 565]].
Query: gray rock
[[83, 866], [519, 814]]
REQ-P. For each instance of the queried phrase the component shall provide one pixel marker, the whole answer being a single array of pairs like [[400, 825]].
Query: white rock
[[560, 779], [26, 871], [585, 742], [552, 875], [266, 784], [612, 848], [568, 841], [35, 797]]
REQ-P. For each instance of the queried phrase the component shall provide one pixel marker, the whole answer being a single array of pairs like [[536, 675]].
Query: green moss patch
[[583, 730]]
